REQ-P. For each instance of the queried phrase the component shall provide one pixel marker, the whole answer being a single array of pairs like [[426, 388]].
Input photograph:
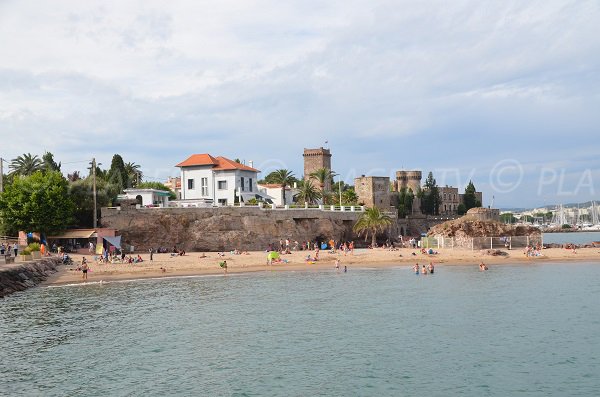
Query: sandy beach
[[194, 264]]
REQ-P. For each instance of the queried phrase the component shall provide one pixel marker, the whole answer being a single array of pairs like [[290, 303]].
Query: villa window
[[242, 184], [190, 184], [222, 185], [249, 184], [204, 186]]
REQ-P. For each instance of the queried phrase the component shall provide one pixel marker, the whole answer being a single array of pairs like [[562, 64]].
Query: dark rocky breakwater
[[20, 276]]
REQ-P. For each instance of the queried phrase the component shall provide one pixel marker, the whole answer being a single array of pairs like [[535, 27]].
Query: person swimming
[[482, 266], [431, 268], [424, 270], [416, 268]]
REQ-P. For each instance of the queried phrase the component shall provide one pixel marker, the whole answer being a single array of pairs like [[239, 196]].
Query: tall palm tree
[[283, 178], [134, 172], [371, 222], [308, 193], [323, 175], [25, 165]]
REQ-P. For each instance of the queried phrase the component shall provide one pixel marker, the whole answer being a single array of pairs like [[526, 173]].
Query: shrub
[[26, 251], [34, 247]]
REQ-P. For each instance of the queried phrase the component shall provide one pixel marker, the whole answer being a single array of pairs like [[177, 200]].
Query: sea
[[526, 330], [572, 238]]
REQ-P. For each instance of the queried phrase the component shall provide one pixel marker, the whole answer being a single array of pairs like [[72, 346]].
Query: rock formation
[[19, 277]]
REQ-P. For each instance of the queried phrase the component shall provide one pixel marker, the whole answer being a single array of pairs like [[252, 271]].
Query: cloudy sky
[[504, 92]]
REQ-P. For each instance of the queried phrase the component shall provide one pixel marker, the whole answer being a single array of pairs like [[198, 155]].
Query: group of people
[[286, 246], [424, 269], [9, 249], [531, 251]]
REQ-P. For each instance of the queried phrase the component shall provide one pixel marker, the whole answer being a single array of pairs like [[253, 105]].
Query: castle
[[379, 191]]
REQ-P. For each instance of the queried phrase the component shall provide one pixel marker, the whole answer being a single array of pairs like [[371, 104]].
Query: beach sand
[[193, 264]]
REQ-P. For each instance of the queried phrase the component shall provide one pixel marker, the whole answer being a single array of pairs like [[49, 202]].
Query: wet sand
[[193, 264]]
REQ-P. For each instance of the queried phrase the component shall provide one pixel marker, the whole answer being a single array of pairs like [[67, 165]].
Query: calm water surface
[[573, 238], [512, 331]]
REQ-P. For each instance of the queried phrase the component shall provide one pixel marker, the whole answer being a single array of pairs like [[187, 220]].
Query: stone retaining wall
[[19, 277], [228, 228]]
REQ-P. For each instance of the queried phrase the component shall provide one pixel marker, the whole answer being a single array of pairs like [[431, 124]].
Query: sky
[[506, 93]]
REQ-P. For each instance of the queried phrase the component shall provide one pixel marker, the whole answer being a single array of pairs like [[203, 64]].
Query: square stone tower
[[315, 159], [373, 191]]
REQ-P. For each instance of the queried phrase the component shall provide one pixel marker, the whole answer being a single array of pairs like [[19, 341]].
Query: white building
[[276, 192], [217, 180], [147, 197]]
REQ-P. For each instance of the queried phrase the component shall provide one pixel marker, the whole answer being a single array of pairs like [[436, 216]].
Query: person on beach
[[151, 251], [416, 268], [16, 249], [224, 266], [431, 268], [84, 268]]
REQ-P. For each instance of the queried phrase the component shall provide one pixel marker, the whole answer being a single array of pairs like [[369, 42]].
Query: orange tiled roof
[[198, 159], [220, 163]]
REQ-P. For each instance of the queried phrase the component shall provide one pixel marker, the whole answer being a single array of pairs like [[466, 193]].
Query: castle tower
[[315, 159], [408, 179]]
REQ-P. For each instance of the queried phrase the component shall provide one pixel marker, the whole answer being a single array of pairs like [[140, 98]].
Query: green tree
[[157, 186], [461, 210], [283, 178], [82, 193], [431, 200], [307, 193], [404, 203], [39, 202], [134, 174], [322, 176], [25, 165], [469, 198], [508, 217], [273, 179], [349, 196], [371, 222], [48, 163], [117, 174]]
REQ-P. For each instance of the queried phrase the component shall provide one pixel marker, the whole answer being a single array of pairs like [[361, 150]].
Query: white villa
[[218, 180]]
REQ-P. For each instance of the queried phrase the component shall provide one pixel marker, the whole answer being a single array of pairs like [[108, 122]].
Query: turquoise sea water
[[573, 238], [511, 331]]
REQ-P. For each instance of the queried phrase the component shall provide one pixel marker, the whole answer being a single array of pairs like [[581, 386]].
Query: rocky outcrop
[[19, 277], [471, 227], [226, 228]]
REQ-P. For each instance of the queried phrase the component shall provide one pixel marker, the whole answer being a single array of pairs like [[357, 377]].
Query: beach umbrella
[[273, 255]]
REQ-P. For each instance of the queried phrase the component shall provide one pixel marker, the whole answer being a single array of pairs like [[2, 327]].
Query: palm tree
[[323, 175], [349, 197], [308, 194], [371, 222], [134, 172], [283, 178], [25, 165]]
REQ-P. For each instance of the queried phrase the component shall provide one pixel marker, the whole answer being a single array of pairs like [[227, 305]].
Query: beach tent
[[116, 241], [273, 255]]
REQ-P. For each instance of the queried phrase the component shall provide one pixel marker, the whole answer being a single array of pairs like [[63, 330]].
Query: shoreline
[[193, 265]]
